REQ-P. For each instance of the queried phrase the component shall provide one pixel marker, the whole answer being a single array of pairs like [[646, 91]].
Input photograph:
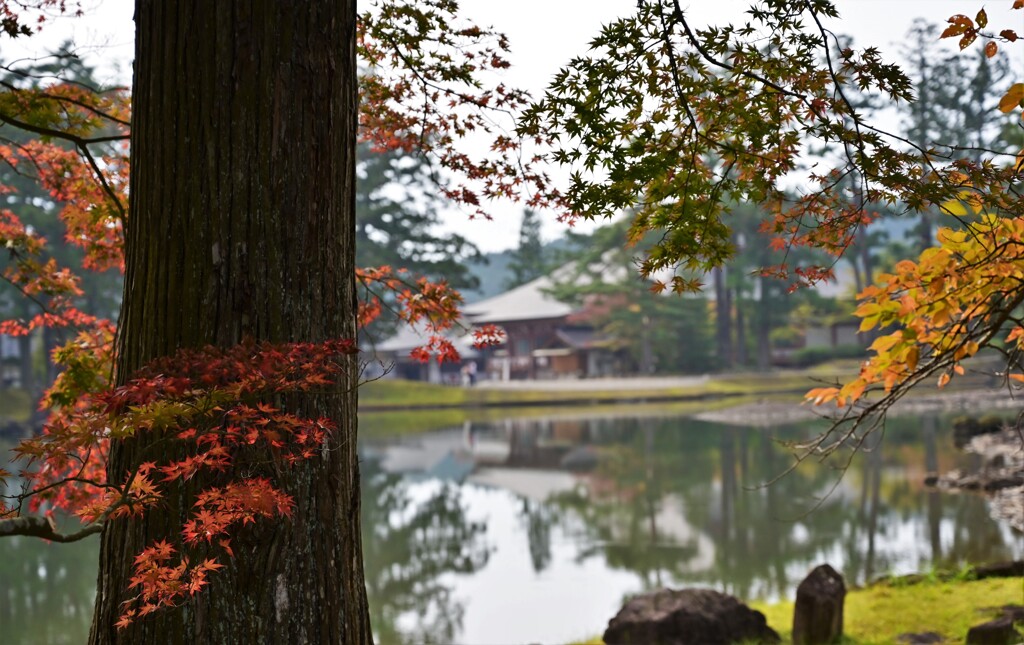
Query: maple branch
[[60, 134], [82, 143], [67, 99], [9, 67], [871, 417], [677, 15], [45, 528]]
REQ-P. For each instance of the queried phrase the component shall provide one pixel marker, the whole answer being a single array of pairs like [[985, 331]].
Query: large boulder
[[818, 615], [995, 632], [1011, 569], [687, 617], [1001, 631]]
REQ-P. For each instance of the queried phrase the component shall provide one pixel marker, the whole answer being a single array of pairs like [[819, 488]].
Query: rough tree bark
[[242, 225]]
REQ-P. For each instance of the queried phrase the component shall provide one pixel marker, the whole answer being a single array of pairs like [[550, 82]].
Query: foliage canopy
[[671, 121]]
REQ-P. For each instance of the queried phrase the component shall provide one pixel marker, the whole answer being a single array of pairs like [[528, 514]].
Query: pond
[[535, 530]]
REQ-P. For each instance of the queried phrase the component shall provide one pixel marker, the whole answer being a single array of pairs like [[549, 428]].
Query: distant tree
[[529, 260], [956, 102], [660, 333], [397, 226], [397, 221], [25, 197]]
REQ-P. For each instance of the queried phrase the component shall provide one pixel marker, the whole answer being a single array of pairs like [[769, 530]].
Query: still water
[[526, 531]]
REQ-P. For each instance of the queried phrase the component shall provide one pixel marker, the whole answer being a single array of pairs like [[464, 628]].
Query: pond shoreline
[[771, 398], [598, 397]]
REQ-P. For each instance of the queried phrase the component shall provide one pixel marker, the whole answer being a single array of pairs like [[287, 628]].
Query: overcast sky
[[544, 35]]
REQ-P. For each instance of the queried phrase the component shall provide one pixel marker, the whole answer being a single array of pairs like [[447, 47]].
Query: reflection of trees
[[408, 546], [766, 536], [46, 591], [931, 465], [623, 518], [756, 540], [538, 520]]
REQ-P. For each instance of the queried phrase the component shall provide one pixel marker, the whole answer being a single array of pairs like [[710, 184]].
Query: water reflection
[[623, 505], [411, 544], [534, 531], [46, 590]]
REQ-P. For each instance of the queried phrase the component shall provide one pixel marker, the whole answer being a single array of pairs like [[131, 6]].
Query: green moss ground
[[878, 614]]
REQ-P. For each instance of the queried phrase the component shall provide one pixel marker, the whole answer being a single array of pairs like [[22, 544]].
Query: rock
[[818, 615], [995, 632], [687, 617], [579, 459], [931, 480], [922, 638], [1000, 482], [1014, 612], [966, 428]]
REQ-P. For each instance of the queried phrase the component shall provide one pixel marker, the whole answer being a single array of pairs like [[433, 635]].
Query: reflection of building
[[544, 460]]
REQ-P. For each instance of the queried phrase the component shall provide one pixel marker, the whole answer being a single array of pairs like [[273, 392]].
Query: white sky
[[544, 35]]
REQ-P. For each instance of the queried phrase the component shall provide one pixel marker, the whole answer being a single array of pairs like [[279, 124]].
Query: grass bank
[[392, 394], [878, 614], [390, 423], [881, 612]]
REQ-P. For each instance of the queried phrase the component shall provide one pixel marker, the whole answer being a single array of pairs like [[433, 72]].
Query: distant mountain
[[493, 271]]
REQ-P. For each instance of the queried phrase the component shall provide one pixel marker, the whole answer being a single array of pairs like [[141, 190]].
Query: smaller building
[[577, 352], [835, 334]]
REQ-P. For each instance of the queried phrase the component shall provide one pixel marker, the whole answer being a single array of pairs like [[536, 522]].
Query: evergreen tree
[[397, 220], [659, 333], [955, 105], [529, 259], [26, 198]]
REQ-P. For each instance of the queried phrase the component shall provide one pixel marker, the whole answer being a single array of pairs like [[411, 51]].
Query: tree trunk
[[764, 326], [723, 319], [242, 225], [27, 374], [741, 330]]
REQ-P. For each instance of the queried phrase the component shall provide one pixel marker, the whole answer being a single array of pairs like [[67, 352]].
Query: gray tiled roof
[[525, 302], [409, 337]]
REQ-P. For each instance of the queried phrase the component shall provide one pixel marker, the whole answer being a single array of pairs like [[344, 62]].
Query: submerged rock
[[688, 617], [1001, 475], [1011, 569], [579, 459]]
